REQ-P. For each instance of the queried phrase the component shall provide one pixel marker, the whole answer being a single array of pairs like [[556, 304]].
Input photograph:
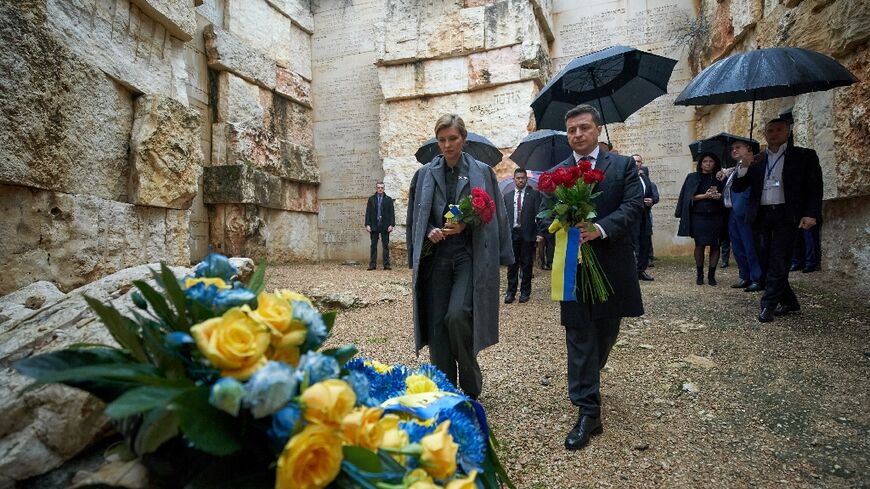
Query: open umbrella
[[542, 150], [764, 74], [720, 145], [618, 80], [507, 184], [476, 145]]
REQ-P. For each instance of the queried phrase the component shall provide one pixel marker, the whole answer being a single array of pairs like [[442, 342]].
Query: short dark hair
[[520, 169], [716, 160], [585, 109], [777, 120]]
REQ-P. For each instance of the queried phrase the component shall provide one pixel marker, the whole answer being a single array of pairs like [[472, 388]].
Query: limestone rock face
[[26, 301], [167, 158], [178, 18], [226, 52], [277, 236], [63, 125], [74, 239], [42, 428], [263, 150], [283, 40], [243, 184]]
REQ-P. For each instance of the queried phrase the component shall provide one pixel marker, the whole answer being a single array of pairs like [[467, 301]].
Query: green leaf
[[166, 359], [157, 301], [341, 354], [137, 373], [258, 280], [158, 427], [124, 333], [363, 459], [235, 472], [142, 399], [207, 428], [176, 295], [329, 319]]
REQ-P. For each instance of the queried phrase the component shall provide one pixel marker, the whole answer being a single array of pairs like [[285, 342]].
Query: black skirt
[[707, 228]]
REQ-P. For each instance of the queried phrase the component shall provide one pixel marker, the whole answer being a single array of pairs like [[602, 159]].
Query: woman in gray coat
[[456, 285]]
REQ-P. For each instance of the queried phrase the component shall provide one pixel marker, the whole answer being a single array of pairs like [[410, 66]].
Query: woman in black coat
[[701, 212]]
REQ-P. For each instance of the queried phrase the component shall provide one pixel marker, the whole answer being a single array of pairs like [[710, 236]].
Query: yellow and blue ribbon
[[453, 213], [566, 256]]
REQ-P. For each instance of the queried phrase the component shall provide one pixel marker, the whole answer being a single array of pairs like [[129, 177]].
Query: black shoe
[[754, 287], [508, 299], [645, 276], [387, 267], [742, 284], [524, 298], [766, 315], [795, 268], [372, 267], [586, 428], [711, 276], [783, 309], [810, 269]]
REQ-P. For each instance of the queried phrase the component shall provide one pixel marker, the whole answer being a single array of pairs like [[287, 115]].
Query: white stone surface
[[299, 11], [264, 28], [239, 102], [26, 301], [177, 17], [226, 52]]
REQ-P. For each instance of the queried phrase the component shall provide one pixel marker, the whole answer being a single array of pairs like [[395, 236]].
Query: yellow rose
[[274, 311], [288, 334], [463, 483], [362, 428], [379, 367], [290, 296], [439, 452], [394, 437], [328, 402], [217, 282], [311, 459], [234, 343], [418, 384], [419, 479]]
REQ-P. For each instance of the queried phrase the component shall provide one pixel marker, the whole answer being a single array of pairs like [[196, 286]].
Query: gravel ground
[[779, 405]]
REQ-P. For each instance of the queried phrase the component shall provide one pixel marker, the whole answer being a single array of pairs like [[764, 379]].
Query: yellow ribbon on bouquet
[[566, 256]]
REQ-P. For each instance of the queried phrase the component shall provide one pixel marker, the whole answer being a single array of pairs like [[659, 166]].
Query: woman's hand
[[453, 229], [436, 235]]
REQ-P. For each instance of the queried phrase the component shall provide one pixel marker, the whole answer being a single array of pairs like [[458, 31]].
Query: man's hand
[[436, 235], [453, 229], [807, 222], [588, 231], [647, 201], [390, 229], [720, 175], [368, 229]]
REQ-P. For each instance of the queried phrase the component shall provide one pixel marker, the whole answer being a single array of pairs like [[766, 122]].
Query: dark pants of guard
[[385, 243], [521, 269], [775, 234], [449, 318], [549, 250], [644, 251], [589, 343]]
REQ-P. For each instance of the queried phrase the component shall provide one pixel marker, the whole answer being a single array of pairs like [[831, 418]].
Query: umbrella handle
[[600, 107], [752, 118]]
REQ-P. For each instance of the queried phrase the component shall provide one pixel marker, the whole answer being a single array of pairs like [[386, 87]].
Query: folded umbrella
[[542, 150], [476, 145]]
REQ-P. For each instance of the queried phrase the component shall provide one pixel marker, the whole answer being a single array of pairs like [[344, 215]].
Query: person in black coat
[[701, 213], [643, 238], [785, 195], [591, 329], [380, 220], [521, 205]]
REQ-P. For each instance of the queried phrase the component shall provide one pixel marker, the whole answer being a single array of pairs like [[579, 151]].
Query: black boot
[[700, 278], [711, 276]]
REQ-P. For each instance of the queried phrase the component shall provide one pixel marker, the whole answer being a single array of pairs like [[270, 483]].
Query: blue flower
[[318, 367], [284, 424], [467, 434], [202, 293], [226, 394], [438, 377], [360, 385], [178, 339], [310, 317], [269, 389], [215, 265], [416, 431], [382, 386], [230, 298]]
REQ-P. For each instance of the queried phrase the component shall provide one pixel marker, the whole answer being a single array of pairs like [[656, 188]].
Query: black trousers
[[524, 254], [775, 234], [385, 243], [808, 248], [449, 319], [644, 251], [589, 343]]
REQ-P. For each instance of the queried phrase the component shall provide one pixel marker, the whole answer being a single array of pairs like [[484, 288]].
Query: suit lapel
[[462, 182], [438, 176], [603, 162]]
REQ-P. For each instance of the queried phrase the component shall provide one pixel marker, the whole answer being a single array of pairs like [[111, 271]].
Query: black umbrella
[[542, 150], [720, 145], [764, 74], [476, 145], [619, 80]]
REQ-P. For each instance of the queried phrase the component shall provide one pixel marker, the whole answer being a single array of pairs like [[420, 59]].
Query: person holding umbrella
[[785, 195], [456, 285], [701, 213]]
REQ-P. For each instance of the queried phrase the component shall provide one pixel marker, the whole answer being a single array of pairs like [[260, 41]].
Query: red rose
[[561, 175], [599, 175], [585, 166], [478, 203], [589, 177], [486, 214], [478, 192], [546, 184]]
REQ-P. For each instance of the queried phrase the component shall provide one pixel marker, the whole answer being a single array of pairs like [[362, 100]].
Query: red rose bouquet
[[475, 209], [573, 190]]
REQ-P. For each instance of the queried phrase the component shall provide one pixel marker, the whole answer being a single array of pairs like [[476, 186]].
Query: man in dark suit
[[643, 238], [785, 195], [591, 329], [380, 220], [521, 205]]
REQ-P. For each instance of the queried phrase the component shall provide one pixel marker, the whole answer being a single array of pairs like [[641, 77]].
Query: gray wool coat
[[491, 245]]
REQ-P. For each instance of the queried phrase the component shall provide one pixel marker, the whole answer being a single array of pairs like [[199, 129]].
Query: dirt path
[[779, 405]]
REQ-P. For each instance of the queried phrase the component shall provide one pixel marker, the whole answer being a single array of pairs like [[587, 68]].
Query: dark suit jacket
[[801, 182], [651, 192], [388, 213], [531, 203], [618, 208]]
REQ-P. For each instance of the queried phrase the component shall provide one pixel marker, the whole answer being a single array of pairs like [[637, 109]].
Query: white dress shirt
[[593, 158], [517, 194], [772, 192]]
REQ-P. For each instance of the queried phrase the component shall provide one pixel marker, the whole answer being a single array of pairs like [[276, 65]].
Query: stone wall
[[834, 123]]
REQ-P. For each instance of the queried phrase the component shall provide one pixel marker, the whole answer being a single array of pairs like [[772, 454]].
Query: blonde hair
[[451, 120]]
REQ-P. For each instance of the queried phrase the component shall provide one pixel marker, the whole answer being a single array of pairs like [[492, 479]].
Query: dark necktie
[[519, 206], [379, 207]]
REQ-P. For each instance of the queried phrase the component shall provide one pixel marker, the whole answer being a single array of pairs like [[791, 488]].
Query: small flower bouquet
[[573, 189], [475, 209], [219, 384]]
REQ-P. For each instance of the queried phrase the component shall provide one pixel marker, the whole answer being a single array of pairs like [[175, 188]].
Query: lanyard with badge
[[771, 181]]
